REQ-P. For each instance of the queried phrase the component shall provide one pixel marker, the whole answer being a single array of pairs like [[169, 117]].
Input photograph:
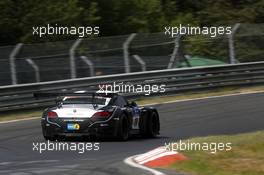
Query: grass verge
[[20, 114], [245, 158]]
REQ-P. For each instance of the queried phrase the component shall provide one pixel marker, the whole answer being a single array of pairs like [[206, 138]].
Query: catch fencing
[[89, 57]]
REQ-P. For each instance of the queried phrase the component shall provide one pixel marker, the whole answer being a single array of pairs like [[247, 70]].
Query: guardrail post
[[232, 57], [90, 64], [35, 67], [72, 57], [126, 52], [141, 62], [12, 59], [175, 51]]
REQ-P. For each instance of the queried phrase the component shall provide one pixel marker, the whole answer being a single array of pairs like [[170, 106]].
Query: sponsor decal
[[72, 126]]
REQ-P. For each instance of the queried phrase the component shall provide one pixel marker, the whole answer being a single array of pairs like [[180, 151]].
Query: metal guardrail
[[176, 80]]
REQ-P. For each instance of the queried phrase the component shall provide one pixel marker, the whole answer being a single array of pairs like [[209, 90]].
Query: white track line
[[172, 101], [149, 154], [130, 161], [157, 156]]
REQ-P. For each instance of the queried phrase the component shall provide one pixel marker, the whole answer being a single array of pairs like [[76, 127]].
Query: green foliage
[[120, 17], [18, 17]]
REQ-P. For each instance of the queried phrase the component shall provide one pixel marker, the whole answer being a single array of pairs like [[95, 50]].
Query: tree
[[18, 18]]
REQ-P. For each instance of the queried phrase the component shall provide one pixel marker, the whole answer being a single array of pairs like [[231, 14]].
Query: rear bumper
[[58, 127]]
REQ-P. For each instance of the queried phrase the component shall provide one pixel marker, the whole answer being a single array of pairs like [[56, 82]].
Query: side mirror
[[58, 102], [133, 103]]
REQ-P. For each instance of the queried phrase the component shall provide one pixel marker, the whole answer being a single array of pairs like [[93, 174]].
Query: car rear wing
[[64, 94]]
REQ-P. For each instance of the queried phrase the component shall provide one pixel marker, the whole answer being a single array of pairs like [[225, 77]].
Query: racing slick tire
[[150, 125], [123, 128], [50, 138]]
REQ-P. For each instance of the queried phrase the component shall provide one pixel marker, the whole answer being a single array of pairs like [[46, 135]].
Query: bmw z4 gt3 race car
[[98, 115]]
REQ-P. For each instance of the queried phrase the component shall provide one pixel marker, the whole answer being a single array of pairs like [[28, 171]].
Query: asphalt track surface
[[181, 120]]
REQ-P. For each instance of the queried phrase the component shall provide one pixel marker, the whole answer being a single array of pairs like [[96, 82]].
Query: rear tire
[[153, 125], [46, 134], [150, 125], [50, 138], [123, 128]]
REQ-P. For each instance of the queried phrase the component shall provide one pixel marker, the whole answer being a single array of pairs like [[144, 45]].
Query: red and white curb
[[158, 157]]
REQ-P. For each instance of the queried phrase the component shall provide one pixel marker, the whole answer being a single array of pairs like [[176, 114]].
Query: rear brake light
[[102, 114], [52, 114]]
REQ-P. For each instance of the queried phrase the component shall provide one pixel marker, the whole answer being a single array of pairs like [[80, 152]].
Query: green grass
[[20, 114], [245, 158]]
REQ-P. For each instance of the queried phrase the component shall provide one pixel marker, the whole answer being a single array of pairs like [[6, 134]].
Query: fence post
[[35, 67], [72, 57], [90, 64], [126, 52], [141, 62], [12, 59], [232, 56], [175, 51]]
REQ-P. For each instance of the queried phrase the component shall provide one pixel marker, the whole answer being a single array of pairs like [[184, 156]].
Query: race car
[[98, 115]]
